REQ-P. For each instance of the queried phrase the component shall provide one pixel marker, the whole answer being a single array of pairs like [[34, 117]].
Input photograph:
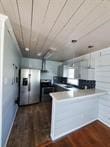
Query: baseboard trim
[[70, 131], [104, 122], [11, 127]]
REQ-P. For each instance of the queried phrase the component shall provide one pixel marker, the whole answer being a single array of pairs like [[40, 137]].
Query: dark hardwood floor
[[32, 129], [31, 126], [93, 135]]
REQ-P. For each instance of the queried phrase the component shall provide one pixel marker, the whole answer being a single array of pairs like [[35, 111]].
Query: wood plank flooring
[[93, 135], [31, 126], [32, 129]]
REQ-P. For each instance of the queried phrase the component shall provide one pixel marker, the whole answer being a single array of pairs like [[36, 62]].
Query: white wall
[[10, 91], [102, 77], [102, 69], [0, 91], [1, 74], [52, 66]]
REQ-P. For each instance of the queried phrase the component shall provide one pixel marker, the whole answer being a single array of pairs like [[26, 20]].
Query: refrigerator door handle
[[29, 85]]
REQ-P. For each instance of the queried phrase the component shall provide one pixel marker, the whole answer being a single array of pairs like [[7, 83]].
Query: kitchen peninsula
[[73, 109]]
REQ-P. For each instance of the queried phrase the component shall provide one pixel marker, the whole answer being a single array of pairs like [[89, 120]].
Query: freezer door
[[34, 86], [24, 86]]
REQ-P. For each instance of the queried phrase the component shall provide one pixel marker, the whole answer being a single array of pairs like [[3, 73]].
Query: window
[[71, 73], [71, 76]]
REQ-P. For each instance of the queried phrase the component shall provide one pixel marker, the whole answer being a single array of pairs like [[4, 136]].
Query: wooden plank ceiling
[[43, 24]]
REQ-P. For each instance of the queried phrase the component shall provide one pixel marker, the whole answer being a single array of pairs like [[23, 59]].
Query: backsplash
[[87, 83], [82, 83], [57, 79]]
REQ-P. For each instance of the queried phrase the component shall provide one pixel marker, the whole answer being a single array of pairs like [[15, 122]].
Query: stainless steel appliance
[[45, 93], [46, 87], [29, 86]]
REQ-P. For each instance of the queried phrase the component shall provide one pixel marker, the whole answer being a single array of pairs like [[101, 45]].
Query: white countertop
[[76, 94], [64, 86]]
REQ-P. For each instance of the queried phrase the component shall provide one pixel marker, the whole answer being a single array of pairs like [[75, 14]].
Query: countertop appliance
[[29, 86], [45, 88]]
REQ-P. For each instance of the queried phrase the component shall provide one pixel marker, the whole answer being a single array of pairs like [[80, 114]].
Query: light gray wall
[[52, 66], [1, 74], [10, 91], [0, 91], [102, 69]]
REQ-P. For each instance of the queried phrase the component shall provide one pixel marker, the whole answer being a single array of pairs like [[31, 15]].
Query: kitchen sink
[[68, 86]]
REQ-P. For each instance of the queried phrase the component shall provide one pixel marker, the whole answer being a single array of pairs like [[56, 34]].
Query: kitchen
[[54, 80]]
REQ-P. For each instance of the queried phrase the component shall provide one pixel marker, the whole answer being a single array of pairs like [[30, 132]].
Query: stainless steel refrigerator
[[29, 86]]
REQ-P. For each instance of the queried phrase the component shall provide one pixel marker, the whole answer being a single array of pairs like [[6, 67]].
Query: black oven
[[46, 87]]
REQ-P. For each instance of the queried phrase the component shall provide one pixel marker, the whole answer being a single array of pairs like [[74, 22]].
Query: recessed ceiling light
[[27, 49], [90, 46], [73, 41]]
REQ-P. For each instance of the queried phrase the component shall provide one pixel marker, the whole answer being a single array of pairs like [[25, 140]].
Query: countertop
[[76, 94], [64, 86]]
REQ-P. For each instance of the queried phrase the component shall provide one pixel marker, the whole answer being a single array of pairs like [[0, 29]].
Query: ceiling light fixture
[[90, 46], [90, 64], [27, 49], [73, 41]]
